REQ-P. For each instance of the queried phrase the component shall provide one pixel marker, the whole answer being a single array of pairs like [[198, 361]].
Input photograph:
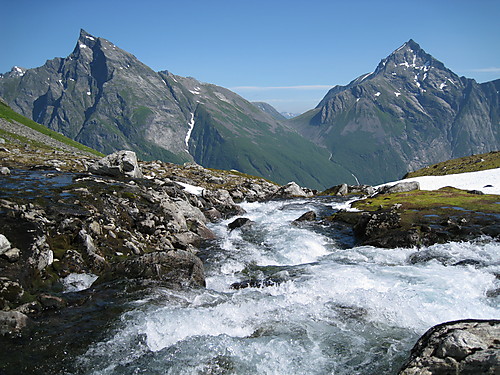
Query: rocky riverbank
[[109, 219], [405, 216], [69, 220]]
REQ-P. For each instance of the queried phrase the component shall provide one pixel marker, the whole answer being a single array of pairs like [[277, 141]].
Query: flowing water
[[331, 309]]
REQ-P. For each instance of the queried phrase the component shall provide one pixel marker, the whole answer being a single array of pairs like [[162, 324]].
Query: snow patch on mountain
[[188, 135]]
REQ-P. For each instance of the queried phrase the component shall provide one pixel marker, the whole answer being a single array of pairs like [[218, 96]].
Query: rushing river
[[333, 310]]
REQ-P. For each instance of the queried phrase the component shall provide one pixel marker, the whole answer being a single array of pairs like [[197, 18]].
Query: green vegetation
[[418, 205], [10, 115], [472, 163]]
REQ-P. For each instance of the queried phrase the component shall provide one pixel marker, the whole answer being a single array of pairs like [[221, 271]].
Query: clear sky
[[287, 53]]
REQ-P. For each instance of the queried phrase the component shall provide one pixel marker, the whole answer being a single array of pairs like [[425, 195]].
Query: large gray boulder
[[118, 164], [400, 187], [292, 190], [459, 347]]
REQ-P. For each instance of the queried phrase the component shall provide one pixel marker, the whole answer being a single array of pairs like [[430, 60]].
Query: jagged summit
[[410, 112], [85, 40]]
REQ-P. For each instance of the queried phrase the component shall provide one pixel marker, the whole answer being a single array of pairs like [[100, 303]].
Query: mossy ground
[[442, 199], [423, 206]]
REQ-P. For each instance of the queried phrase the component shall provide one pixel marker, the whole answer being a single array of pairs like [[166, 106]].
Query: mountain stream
[[320, 308]]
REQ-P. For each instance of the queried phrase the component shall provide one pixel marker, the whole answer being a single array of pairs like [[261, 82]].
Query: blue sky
[[287, 53]]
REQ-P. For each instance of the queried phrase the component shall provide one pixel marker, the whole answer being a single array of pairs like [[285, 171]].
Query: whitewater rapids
[[336, 310]]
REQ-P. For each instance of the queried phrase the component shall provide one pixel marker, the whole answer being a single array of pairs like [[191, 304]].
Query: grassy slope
[[472, 163], [10, 115]]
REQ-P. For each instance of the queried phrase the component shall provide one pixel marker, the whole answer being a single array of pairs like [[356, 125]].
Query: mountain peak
[[413, 45], [86, 39], [410, 56]]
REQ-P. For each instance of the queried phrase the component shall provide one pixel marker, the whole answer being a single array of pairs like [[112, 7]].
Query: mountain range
[[410, 112]]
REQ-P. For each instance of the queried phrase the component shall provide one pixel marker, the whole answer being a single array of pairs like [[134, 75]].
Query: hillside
[[15, 128], [465, 164]]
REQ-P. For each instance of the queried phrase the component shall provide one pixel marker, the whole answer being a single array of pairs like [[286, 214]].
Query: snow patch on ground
[[76, 282], [221, 97], [196, 190], [487, 181]]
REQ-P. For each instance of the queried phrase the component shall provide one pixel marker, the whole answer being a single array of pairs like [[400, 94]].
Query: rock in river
[[459, 347]]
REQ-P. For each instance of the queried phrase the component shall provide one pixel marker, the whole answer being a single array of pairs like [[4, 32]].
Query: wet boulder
[[308, 216], [174, 267], [239, 223], [459, 347], [257, 283], [118, 164]]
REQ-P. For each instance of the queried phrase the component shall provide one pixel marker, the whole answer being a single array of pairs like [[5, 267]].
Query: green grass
[[10, 115], [472, 163], [438, 201]]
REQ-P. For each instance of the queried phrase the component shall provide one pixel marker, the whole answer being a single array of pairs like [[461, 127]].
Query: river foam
[[335, 311]]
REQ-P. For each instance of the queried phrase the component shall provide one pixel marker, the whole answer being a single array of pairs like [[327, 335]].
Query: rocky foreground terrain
[[115, 218], [66, 212]]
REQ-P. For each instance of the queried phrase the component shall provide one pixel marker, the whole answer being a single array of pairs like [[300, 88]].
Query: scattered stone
[[459, 347], [11, 293], [271, 281], [476, 192], [12, 322], [4, 171], [4, 244], [132, 247], [98, 263], [95, 228], [118, 164], [50, 302], [12, 255], [213, 215]]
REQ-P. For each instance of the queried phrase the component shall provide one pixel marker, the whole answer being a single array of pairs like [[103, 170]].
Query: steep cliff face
[[104, 97], [410, 112]]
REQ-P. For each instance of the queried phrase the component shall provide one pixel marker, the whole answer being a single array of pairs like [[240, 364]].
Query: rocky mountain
[[268, 108], [410, 112], [289, 115], [105, 98]]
